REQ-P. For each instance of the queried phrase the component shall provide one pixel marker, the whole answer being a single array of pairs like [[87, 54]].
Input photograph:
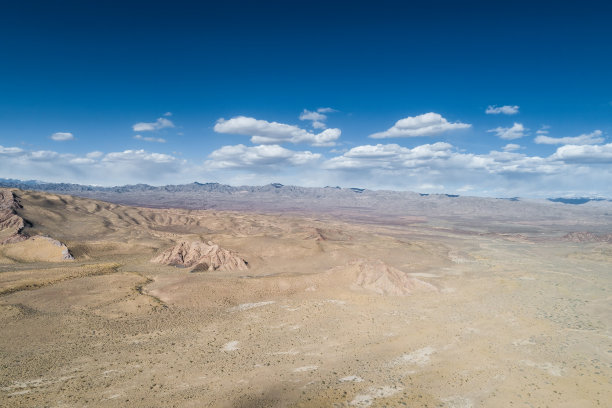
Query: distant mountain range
[[353, 203], [69, 188]]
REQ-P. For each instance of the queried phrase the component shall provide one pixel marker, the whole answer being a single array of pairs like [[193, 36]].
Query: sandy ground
[[514, 321]]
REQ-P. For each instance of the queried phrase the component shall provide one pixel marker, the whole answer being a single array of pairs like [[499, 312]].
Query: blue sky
[[397, 94]]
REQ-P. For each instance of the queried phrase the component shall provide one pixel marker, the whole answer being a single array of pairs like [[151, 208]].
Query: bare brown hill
[[11, 224], [378, 277], [201, 256]]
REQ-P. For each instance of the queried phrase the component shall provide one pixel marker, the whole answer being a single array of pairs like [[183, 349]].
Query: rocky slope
[[375, 276], [11, 223], [201, 256]]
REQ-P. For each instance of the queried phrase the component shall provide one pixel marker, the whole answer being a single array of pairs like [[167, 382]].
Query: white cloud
[[428, 124], [150, 139], [309, 115], [317, 117], [584, 139], [160, 123], [62, 136], [494, 174], [94, 155], [515, 132], [264, 132], [506, 110], [241, 156], [388, 156], [168, 114], [43, 155], [511, 147], [543, 130], [438, 158], [114, 168], [10, 151], [139, 155], [572, 169], [584, 153]]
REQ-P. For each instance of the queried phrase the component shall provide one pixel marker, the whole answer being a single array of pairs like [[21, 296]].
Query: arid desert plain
[[109, 305]]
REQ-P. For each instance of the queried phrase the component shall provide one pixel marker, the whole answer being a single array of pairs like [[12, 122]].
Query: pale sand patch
[[246, 306], [550, 368], [419, 357], [423, 275], [457, 402], [291, 352], [351, 378], [20, 393], [365, 400], [230, 346], [306, 368], [35, 383], [523, 342]]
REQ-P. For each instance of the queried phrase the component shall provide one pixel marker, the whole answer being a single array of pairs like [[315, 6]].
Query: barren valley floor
[[377, 311]]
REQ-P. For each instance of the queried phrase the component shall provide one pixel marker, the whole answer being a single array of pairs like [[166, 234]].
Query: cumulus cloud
[[500, 173], [272, 133], [10, 151], [317, 117], [62, 136], [592, 138], [140, 155], [515, 132], [168, 114], [442, 167], [584, 153], [243, 157], [428, 124], [511, 147], [129, 166], [150, 139], [388, 156], [438, 158], [506, 110], [94, 155], [160, 123]]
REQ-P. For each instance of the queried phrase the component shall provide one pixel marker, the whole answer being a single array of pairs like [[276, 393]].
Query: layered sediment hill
[[17, 245], [11, 223], [201, 256], [378, 277]]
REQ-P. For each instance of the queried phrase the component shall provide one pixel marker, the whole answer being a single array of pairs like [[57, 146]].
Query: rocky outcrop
[[586, 236], [376, 276], [201, 257], [38, 248], [11, 224], [66, 255]]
